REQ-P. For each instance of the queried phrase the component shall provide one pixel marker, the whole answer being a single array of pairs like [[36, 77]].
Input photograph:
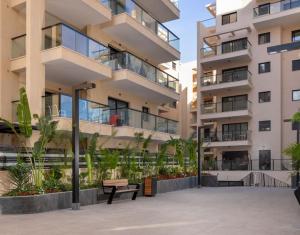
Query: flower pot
[[150, 186]]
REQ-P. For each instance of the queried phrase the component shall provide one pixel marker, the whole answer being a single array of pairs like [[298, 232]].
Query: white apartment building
[[244, 92]]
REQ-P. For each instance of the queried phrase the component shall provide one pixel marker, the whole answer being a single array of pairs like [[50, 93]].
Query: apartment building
[[188, 99], [122, 46], [244, 92]]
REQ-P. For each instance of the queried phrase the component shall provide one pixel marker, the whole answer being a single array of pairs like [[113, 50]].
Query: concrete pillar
[[35, 70]]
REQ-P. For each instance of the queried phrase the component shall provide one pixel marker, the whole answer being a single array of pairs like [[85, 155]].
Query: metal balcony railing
[[222, 107], [249, 165], [126, 60], [226, 136], [139, 14], [234, 76], [226, 47], [276, 7]]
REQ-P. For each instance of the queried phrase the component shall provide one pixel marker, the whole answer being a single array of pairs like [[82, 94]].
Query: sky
[[185, 28]]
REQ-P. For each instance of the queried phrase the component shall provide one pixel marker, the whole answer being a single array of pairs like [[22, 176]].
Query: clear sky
[[191, 11]]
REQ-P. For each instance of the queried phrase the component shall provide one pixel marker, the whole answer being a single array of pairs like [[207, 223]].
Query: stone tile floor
[[240, 211]]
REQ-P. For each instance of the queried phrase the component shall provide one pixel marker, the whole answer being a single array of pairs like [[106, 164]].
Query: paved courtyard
[[206, 211]]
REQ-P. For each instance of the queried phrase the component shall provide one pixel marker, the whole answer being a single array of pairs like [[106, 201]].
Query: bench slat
[[117, 183]]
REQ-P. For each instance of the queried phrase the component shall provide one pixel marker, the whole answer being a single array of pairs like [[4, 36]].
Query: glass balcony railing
[[60, 105], [221, 107], [234, 76], [18, 48], [138, 119], [276, 7], [63, 35], [125, 60], [226, 136], [140, 15], [226, 47]]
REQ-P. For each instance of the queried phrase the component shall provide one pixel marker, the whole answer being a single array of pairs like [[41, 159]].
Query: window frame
[[229, 15], [297, 90], [261, 129], [261, 93], [293, 35], [268, 34], [267, 63], [294, 65]]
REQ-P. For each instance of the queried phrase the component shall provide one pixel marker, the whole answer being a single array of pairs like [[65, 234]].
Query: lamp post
[[199, 128], [75, 141]]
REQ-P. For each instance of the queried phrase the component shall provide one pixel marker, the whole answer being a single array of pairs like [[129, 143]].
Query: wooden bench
[[113, 187]]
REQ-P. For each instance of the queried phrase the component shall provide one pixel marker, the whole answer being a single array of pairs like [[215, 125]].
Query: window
[[295, 65], [174, 65], [264, 67], [296, 95], [263, 9], [264, 38], [234, 103], [296, 36], [235, 74], [234, 131], [295, 126], [264, 125], [264, 97], [235, 45], [145, 114], [229, 18], [265, 159]]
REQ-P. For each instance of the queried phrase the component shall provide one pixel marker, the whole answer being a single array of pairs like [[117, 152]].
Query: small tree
[[293, 150]]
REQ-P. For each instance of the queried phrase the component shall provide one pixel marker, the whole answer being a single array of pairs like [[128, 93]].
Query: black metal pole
[[199, 156], [75, 148], [298, 141]]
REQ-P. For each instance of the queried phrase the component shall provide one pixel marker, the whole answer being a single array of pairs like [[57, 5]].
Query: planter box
[[209, 180], [164, 186], [48, 202], [54, 201]]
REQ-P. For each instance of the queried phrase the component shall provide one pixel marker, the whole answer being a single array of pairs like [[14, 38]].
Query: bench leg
[[135, 193], [111, 196]]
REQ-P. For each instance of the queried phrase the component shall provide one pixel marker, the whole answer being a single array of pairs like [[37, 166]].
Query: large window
[[235, 74], [296, 36], [296, 65], [265, 159], [265, 125], [235, 45], [264, 67], [264, 97], [234, 103], [229, 18], [235, 131], [264, 38], [296, 95]]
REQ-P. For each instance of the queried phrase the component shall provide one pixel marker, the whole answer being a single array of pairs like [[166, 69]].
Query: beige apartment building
[[50, 46], [244, 92]]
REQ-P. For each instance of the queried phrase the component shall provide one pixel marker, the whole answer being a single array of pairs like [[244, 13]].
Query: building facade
[[245, 94], [122, 46]]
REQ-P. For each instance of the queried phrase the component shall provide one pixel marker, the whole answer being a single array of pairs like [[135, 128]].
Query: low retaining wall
[[63, 200], [164, 186]]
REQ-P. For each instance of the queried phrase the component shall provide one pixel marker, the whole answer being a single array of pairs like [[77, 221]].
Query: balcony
[[236, 80], [130, 121], [282, 13], [79, 12], [227, 139], [96, 117], [225, 110], [162, 10], [70, 57], [142, 78], [136, 29], [233, 51]]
